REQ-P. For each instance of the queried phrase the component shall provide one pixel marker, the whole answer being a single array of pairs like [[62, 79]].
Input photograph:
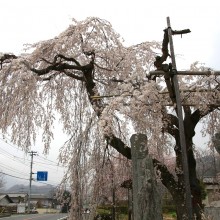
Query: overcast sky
[[29, 21]]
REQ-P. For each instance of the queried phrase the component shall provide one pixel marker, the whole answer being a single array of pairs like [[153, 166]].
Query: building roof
[[211, 180], [40, 196], [7, 197], [15, 195]]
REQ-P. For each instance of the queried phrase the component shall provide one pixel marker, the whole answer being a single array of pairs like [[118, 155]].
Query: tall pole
[[181, 125], [32, 153]]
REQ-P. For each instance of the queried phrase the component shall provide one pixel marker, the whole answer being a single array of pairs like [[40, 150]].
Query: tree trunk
[[195, 185], [181, 209]]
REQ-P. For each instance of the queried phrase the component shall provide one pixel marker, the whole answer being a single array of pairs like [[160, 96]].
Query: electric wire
[[25, 162], [47, 159], [13, 176], [49, 164], [40, 157], [12, 169], [50, 184]]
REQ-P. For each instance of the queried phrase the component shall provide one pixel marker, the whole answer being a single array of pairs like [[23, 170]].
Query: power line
[[7, 153], [12, 156], [54, 167], [51, 169], [44, 158], [28, 179], [26, 165], [17, 148], [20, 162], [24, 161], [18, 159], [13, 176], [12, 169]]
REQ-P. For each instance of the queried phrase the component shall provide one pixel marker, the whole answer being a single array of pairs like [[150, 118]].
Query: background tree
[[99, 90]]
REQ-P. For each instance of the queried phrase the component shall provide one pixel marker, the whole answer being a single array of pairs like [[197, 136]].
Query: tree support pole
[[181, 125]]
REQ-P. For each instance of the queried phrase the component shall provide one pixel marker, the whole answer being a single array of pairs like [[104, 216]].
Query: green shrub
[[169, 208], [108, 209]]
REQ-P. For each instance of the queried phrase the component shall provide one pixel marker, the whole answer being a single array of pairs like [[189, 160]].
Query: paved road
[[59, 216]]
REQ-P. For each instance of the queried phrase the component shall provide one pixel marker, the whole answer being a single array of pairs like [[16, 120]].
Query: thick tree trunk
[[195, 186], [181, 210], [180, 207]]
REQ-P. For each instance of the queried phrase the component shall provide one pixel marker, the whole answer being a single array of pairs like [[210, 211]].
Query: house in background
[[18, 197], [5, 200], [208, 171], [212, 186], [6, 204], [41, 201]]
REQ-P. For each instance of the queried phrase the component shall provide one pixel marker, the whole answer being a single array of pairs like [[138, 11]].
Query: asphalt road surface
[[57, 216]]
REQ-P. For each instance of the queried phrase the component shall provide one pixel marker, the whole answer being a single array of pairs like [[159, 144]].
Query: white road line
[[64, 218]]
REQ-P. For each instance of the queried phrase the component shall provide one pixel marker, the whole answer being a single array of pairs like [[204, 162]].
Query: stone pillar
[[146, 199]]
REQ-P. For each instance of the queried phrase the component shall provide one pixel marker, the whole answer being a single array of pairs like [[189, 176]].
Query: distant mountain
[[20, 188]]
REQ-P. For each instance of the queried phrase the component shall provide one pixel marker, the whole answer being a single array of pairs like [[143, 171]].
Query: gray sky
[[29, 21]]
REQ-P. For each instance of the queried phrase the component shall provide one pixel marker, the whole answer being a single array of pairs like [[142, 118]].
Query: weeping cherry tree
[[99, 91]]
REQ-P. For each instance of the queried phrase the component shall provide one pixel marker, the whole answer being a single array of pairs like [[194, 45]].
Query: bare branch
[[6, 57], [57, 67], [120, 146], [166, 177]]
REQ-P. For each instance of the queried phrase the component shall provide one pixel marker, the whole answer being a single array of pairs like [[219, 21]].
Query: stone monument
[[146, 199]]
